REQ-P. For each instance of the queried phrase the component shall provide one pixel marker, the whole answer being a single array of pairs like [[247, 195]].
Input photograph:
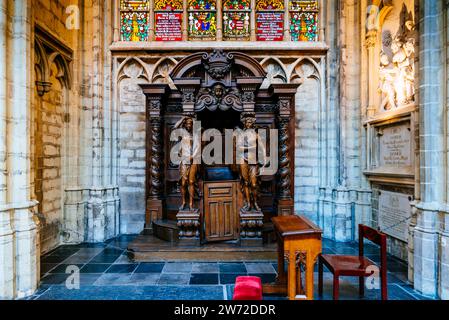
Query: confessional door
[[220, 215]]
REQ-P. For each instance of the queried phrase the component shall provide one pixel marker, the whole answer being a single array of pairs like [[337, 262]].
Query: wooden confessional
[[217, 88]]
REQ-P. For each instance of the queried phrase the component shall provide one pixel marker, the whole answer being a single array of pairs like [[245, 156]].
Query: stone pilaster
[[426, 262], [19, 246]]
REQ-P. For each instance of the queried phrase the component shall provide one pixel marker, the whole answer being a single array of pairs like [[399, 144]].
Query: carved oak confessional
[[218, 88]]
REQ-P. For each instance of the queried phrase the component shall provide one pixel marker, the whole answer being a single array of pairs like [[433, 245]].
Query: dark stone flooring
[[105, 273]]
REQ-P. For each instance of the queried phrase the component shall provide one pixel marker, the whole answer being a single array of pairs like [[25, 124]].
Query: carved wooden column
[[188, 219], [285, 93], [251, 221], [155, 94]]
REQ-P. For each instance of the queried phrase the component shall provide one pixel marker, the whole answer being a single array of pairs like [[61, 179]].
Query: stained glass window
[[303, 20], [270, 20], [236, 19], [168, 20], [202, 19], [134, 20]]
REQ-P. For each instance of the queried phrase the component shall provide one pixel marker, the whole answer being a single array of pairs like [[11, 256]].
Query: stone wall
[[132, 151], [307, 144], [47, 161]]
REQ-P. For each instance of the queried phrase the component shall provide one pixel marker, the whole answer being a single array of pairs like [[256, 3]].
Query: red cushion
[[247, 288]]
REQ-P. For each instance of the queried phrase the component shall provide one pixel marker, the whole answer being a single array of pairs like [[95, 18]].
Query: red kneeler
[[247, 288]]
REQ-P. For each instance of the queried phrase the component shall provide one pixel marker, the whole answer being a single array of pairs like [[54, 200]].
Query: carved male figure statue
[[188, 167], [248, 163], [387, 76]]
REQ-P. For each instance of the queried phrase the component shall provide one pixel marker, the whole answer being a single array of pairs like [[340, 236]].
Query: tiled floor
[[105, 272]]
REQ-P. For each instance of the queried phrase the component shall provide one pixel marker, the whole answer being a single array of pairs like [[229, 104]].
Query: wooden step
[[166, 230], [148, 248]]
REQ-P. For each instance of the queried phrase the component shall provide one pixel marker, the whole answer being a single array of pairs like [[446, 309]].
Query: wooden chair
[[342, 265]]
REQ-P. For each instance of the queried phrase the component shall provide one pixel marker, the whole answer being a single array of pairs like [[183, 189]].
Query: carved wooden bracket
[[188, 88], [248, 87]]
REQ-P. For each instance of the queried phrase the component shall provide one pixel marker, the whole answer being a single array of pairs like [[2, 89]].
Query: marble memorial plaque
[[394, 213], [395, 146]]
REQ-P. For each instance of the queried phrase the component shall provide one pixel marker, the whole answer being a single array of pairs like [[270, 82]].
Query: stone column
[[155, 94], [432, 144], [252, 20], [285, 94], [6, 232], [116, 20], [219, 22], [152, 29], [287, 20], [19, 246], [370, 43], [185, 21]]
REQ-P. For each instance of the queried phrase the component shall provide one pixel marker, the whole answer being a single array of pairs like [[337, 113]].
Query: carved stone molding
[[218, 97], [48, 51]]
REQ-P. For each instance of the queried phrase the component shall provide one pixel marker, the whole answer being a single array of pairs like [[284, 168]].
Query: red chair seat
[[247, 288], [349, 265]]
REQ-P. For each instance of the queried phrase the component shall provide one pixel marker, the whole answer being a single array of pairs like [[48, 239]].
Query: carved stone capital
[[371, 39]]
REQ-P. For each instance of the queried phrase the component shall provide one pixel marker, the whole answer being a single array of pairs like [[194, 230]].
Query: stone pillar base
[[189, 226]]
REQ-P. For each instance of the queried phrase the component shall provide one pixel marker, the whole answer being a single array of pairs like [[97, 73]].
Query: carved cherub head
[[218, 91], [249, 120]]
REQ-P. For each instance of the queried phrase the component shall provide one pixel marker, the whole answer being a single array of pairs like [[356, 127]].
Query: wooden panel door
[[220, 211]]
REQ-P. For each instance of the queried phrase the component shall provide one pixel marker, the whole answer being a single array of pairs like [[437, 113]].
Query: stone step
[[166, 230]]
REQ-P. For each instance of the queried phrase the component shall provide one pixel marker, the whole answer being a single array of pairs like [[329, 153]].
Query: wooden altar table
[[299, 243]]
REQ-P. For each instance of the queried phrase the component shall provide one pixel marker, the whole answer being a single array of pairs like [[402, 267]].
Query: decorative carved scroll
[[218, 97]]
